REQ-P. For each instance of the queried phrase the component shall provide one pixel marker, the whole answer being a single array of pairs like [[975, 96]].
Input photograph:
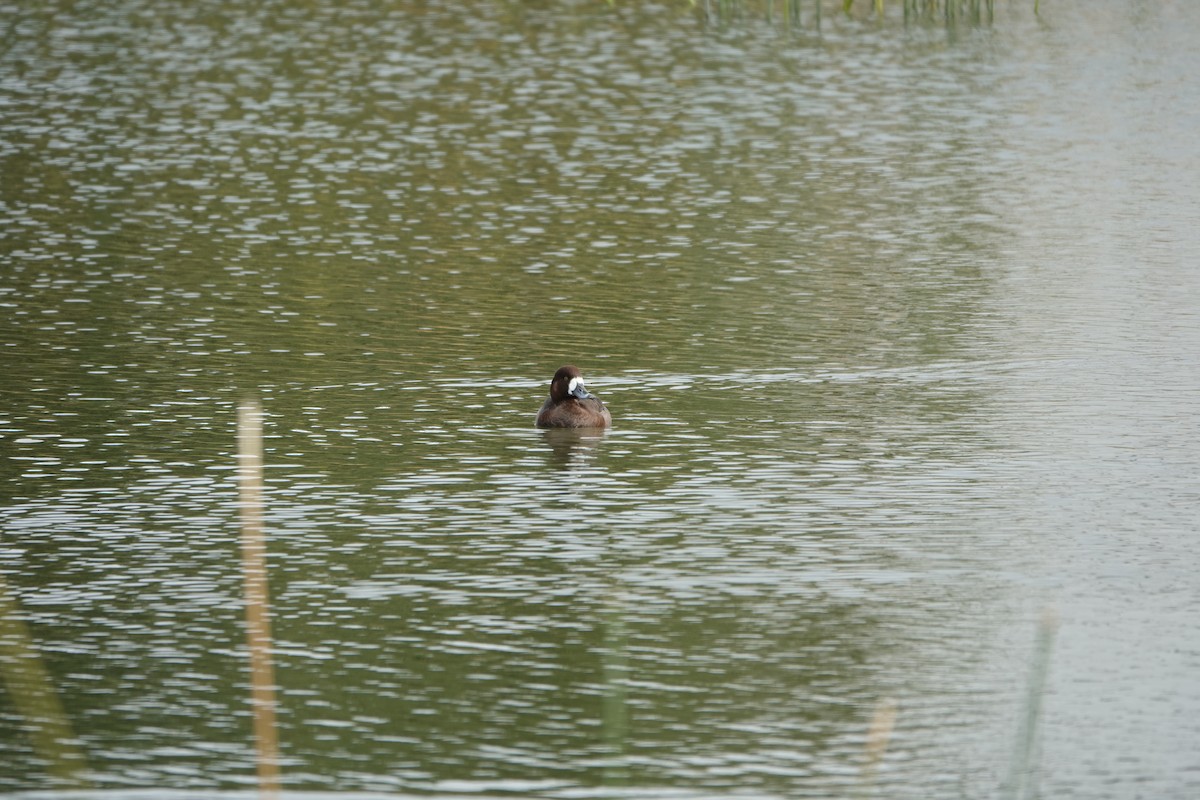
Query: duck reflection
[[572, 447]]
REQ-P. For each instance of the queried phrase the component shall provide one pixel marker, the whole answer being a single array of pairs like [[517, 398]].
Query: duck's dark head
[[568, 383]]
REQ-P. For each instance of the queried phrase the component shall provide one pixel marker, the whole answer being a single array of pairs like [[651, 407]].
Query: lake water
[[899, 324]]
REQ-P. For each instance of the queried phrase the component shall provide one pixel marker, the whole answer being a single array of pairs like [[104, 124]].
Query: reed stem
[[1021, 769], [28, 684], [879, 735], [254, 572], [616, 676]]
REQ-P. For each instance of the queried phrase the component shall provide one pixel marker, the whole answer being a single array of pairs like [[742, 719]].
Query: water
[[897, 325]]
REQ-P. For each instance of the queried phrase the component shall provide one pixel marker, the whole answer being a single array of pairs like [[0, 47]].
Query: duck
[[571, 405]]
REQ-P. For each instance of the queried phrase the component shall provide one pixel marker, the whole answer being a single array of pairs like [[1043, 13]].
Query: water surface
[[896, 324]]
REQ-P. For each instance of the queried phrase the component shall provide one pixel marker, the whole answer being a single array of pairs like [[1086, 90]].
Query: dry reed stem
[[879, 734], [254, 571]]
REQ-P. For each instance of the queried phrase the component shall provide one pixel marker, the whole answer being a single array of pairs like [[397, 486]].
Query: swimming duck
[[571, 405]]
